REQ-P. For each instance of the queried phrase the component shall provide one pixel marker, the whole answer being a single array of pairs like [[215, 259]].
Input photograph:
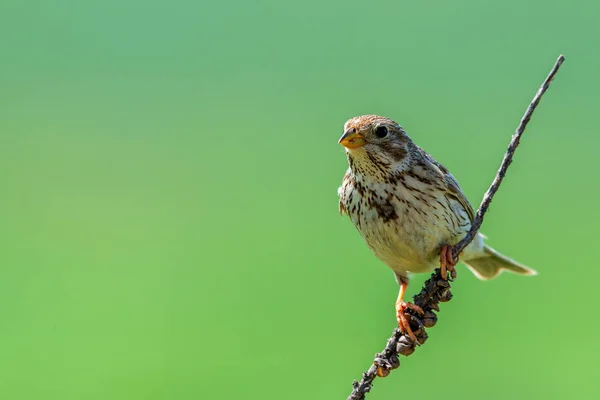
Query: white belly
[[409, 241]]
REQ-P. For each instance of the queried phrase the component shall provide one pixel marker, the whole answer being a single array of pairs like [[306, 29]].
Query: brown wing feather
[[341, 191], [342, 208], [452, 186]]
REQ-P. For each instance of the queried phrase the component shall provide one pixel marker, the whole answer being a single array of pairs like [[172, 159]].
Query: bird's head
[[371, 138]]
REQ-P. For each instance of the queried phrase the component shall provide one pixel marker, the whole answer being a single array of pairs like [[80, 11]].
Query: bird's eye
[[381, 131]]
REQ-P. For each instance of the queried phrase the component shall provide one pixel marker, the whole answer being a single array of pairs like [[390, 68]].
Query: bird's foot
[[447, 262], [403, 322]]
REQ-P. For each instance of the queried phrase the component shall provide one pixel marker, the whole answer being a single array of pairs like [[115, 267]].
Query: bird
[[409, 209]]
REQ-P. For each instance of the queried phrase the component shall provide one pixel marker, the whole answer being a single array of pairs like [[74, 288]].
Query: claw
[[403, 322], [402, 306], [447, 262]]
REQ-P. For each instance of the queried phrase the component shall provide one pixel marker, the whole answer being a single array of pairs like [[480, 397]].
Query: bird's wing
[[341, 206], [341, 191], [453, 189]]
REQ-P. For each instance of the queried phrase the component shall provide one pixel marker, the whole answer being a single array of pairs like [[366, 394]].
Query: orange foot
[[447, 262], [403, 322], [401, 306]]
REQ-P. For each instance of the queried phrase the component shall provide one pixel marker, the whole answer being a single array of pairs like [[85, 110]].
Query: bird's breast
[[403, 225]]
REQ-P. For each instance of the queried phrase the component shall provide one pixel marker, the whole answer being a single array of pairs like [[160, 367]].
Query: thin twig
[[512, 146], [436, 289]]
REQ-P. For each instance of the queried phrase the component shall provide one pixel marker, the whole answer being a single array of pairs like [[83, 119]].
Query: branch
[[512, 147], [436, 289]]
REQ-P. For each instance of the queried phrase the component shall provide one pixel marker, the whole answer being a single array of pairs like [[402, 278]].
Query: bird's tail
[[492, 263]]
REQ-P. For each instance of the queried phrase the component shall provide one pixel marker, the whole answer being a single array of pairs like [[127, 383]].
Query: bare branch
[[512, 147], [436, 289]]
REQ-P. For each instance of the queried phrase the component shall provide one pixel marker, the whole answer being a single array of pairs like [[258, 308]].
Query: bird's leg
[[401, 307], [447, 262]]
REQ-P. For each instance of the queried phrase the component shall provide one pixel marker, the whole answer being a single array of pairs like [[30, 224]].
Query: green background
[[168, 212]]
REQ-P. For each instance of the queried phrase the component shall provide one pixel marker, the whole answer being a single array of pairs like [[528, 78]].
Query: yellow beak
[[352, 139]]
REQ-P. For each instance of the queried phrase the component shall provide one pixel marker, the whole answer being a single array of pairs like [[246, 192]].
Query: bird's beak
[[352, 139]]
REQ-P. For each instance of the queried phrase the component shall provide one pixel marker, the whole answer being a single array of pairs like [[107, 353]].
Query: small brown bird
[[408, 208]]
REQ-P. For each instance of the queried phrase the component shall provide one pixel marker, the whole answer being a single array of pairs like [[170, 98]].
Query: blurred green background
[[168, 210]]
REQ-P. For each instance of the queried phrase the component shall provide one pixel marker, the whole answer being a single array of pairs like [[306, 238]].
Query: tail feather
[[492, 263]]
